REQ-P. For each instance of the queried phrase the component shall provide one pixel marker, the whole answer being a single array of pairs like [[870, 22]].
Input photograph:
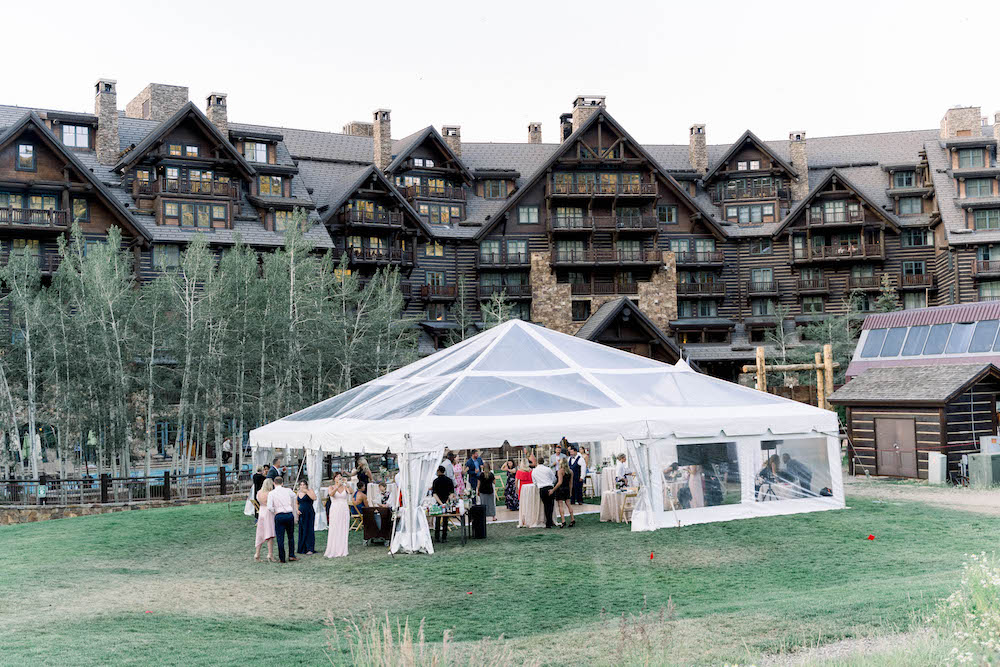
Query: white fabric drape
[[646, 507], [314, 471], [258, 457], [417, 470]]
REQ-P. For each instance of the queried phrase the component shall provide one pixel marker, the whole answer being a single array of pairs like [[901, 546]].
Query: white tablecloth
[[611, 506], [530, 513], [607, 480]]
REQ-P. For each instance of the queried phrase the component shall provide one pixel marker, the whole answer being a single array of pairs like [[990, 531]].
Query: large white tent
[[530, 385]]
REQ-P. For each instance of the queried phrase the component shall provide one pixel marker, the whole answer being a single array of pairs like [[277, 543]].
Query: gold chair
[[628, 506]]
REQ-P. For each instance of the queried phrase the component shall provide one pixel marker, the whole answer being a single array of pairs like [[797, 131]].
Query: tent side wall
[[862, 449]]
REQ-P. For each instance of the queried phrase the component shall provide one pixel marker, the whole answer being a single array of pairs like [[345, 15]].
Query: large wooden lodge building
[[705, 240]]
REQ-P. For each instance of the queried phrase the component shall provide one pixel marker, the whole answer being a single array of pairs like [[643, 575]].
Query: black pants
[[548, 502], [285, 523], [576, 497], [441, 528]]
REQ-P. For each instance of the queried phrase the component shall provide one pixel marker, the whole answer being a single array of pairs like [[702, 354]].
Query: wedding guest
[[543, 477], [359, 501], [557, 455], [283, 503], [621, 473], [339, 518], [258, 480], [307, 518], [561, 492], [449, 465], [443, 490], [510, 492], [472, 468], [696, 483], [265, 522], [363, 473], [523, 476], [275, 465], [578, 466], [486, 491]]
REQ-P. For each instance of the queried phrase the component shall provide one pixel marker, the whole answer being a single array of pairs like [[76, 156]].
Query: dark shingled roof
[[912, 384], [610, 310]]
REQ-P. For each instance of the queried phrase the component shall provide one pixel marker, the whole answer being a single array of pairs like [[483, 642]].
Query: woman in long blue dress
[[307, 519]]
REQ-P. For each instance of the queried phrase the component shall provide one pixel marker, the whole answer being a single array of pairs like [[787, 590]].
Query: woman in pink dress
[[339, 519], [265, 523]]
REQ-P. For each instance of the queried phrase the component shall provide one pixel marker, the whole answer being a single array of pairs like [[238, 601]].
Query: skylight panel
[[873, 343], [893, 341], [915, 340], [982, 339], [961, 335]]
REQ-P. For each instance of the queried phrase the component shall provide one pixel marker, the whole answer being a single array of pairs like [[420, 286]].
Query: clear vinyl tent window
[[703, 475], [793, 468]]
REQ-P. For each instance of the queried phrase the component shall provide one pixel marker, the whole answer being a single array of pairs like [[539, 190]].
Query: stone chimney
[[961, 122], [215, 109], [157, 101], [359, 128], [382, 132], [565, 126], [106, 110], [697, 149], [996, 131], [584, 106], [453, 137], [800, 161], [534, 133]]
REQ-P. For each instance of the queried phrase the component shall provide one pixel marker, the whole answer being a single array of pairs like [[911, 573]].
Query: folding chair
[[628, 506], [588, 487], [356, 522]]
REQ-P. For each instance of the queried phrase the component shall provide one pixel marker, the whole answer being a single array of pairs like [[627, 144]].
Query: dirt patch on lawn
[[982, 501], [845, 650]]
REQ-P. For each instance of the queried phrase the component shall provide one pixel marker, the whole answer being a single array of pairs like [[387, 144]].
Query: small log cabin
[[897, 414]]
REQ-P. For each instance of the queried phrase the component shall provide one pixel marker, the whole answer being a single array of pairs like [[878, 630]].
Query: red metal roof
[[962, 312]]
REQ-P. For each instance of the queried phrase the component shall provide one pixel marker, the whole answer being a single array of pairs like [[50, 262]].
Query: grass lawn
[[179, 586]]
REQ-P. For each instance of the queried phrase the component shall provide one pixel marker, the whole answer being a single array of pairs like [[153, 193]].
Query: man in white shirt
[[285, 506], [449, 466], [543, 477], [621, 472], [578, 466]]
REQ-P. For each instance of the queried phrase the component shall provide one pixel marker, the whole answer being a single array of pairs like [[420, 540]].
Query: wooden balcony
[[565, 257], [986, 268], [713, 258], [376, 255], [424, 191], [813, 285], [35, 218], [510, 291], [48, 262], [922, 281], [844, 217], [574, 224], [183, 186], [603, 288], [749, 192], [632, 223], [715, 288], [762, 288], [866, 283], [438, 292], [503, 259], [862, 251], [386, 220], [628, 190]]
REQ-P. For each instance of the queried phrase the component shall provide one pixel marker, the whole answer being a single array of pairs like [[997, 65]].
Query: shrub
[[971, 615]]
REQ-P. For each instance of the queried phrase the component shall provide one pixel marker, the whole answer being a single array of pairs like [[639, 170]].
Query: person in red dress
[[523, 476]]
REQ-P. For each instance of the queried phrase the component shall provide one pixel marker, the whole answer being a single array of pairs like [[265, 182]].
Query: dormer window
[[76, 136], [423, 162], [255, 151], [971, 158], [494, 189], [270, 186], [174, 150], [979, 187], [902, 179], [25, 157], [910, 206], [191, 151], [754, 165], [742, 165]]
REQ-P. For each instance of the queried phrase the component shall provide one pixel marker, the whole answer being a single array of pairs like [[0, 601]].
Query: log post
[[820, 384], [761, 372], [828, 368]]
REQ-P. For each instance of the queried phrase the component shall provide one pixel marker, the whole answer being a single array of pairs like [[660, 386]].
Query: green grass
[[77, 590]]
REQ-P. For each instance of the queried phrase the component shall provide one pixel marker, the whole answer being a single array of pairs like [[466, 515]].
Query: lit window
[[435, 249], [527, 215], [174, 150], [219, 212], [191, 151], [270, 186], [494, 189], [255, 151], [25, 157], [81, 211], [142, 175], [187, 215], [76, 136], [666, 214], [283, 222], [754, 165], [171, 213], [910, 205]]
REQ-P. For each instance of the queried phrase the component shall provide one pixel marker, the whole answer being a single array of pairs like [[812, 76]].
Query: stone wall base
[[11, 514]]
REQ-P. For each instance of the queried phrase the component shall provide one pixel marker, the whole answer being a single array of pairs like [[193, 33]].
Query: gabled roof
[[609, 312], [354, 180], [406, 145], [106, 196], [935, 385], [837, 175], [189, 110], [761, 146], [603, 114]]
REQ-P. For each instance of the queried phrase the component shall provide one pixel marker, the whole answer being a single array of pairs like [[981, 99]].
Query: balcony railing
[[48, 262], [384, 219], [707, 257], [603, 256], [825, 217], [438, 291], [511, 291], [715, 288], [828, 252], [813, 285], [763, 287], [35, 217], [865, 282], [603, 288], [376, 255], [988, 267], [916, 281], [741, 192], [503, 258], [633, 223], [184, 186], [602, 189], [434, 192], [577, 223]]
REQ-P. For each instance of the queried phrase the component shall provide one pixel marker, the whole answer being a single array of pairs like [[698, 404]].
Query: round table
[[530, 513], [611, 506]]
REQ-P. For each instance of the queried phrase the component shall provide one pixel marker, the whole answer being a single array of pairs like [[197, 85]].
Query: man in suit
[[275, 464], [578, 466]]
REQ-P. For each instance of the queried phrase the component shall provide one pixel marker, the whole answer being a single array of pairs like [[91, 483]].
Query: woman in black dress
[[510, 490], [258, 481], [307, 519], [562, 491]]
